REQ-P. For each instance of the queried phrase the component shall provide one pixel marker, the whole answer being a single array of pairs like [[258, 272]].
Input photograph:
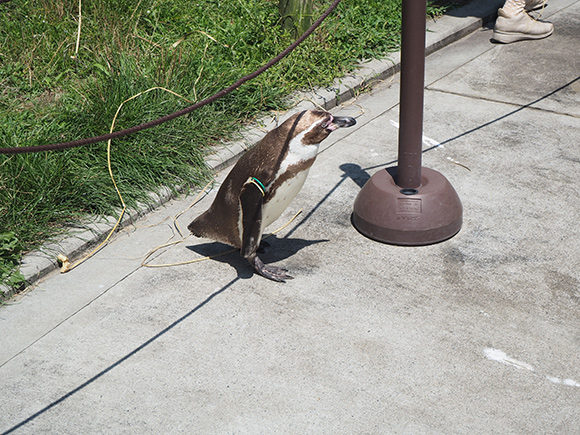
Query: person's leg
[[515, 24], [532, 5], [514, 7]]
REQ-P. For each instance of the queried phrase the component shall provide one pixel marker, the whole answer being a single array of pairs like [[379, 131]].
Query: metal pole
[[411, 95], [408, 204]]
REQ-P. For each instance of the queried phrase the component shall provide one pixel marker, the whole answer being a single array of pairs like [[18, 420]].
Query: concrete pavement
[[478, 334]]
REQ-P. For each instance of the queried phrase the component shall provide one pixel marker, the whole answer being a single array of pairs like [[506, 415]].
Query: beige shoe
[[518, 27], [532, 5]]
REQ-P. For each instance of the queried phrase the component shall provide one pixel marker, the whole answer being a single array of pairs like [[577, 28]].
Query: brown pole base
[[390, 214]]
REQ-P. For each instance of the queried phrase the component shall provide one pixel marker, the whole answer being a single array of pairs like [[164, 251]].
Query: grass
[[53, 91]]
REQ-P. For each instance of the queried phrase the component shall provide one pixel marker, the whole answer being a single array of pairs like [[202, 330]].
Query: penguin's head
[[317, 125]]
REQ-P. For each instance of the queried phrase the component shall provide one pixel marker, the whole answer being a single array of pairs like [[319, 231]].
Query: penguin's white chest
[[298, 154], [285, 193]]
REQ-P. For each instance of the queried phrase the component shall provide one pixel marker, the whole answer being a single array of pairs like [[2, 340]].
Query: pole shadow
[[486, 124]]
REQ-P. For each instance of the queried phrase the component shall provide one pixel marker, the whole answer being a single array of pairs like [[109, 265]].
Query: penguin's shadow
[[272, 250]]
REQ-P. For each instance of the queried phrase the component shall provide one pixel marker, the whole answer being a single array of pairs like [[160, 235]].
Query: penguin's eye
[[327, 122]]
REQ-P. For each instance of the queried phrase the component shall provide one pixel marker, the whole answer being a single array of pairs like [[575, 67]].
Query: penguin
[[263, 183]]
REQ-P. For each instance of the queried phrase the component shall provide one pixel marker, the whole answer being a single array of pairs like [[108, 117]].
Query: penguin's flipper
[[251, 201]]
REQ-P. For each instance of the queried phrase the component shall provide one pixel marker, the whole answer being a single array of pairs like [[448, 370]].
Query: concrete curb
[[440, 33]]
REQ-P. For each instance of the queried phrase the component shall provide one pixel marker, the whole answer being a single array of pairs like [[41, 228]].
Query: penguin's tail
[[205, 226], [196, 227]]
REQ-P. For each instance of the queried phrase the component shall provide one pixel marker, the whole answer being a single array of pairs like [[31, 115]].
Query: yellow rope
[[78, 31], [190, 205], [66, 265]]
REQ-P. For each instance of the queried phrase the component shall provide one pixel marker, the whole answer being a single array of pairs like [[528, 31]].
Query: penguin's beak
[[343, 121], [340, 122]]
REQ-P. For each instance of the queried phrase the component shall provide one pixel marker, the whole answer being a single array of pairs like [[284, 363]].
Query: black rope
[[155, 122]]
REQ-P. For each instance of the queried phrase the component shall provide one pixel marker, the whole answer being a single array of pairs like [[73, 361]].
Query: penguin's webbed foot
[[271, 272]]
